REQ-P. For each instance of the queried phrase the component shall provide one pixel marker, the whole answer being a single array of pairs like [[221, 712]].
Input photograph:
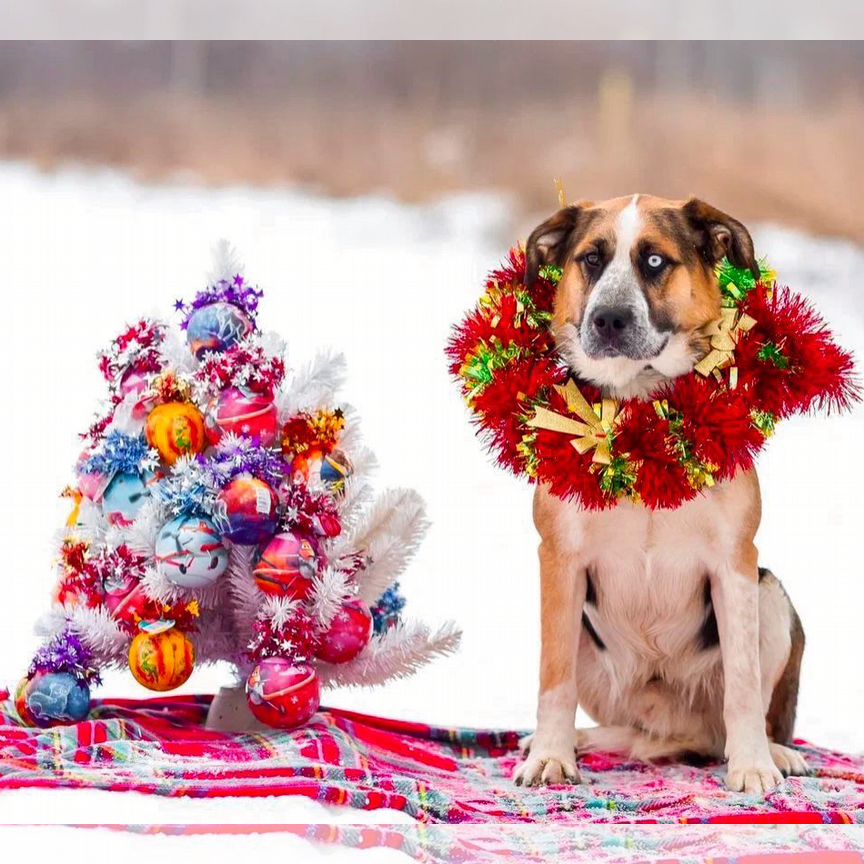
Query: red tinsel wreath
[[696, 431]]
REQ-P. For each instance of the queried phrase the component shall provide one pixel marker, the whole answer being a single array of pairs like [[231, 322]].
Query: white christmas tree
[[222, 510]]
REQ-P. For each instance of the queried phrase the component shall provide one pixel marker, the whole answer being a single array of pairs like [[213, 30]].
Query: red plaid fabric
[[438, 776]]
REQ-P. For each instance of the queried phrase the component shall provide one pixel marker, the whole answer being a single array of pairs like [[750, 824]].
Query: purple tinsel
[[236, 292], [235, 456], [66, 653]]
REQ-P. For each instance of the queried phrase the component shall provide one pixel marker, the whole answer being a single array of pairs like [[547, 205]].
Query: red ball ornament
[[246, 511], [287, 565], [135, 382], [283, 694], [91, 484], [126, 599], [242, 412], [349, 633]]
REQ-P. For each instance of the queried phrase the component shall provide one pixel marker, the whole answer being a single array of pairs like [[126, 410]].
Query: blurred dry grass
[[715, 120]]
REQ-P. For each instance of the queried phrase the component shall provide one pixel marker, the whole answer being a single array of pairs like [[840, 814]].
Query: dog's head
[[638, 284]]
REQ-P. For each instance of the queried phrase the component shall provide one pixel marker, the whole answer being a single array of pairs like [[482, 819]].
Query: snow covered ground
[[84, 252]]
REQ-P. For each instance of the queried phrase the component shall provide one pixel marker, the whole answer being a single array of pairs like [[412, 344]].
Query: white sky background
[[432, 19]]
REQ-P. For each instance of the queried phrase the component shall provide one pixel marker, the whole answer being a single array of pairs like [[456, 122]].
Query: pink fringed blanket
[[159, 746]]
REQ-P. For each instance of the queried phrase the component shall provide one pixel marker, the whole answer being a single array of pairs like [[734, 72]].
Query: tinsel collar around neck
[[771, 356]]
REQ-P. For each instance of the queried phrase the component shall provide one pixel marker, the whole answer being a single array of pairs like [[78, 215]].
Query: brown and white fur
[[660, 624]]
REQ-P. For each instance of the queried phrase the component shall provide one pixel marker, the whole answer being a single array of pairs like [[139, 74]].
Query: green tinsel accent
[[481, 366], [551, 273], [764, 421], [699, 473], [527, 450], [737, 282], [771, 353], [619, 477]]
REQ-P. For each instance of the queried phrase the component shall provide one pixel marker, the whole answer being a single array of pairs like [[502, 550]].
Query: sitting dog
[[660, 624]]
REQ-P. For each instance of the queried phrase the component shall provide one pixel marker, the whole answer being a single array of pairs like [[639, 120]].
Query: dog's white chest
[[648, 574]]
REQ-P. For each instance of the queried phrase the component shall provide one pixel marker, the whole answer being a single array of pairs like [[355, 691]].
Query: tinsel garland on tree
[[770, 356], [222, 511]]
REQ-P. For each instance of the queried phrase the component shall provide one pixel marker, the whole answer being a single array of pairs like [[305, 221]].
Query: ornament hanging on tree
[[282, 694], [175, 429], [217, 327], [161, 660], [91, 483], [162, 543], [246, 511], [190, 552], [136, 383], [250, 415], [287, 566], [348, 634], [334, 471], [126, 600], [21, 692], [54, 699], [125, 495]]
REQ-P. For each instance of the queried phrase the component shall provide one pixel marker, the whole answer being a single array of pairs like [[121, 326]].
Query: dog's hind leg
[[781, 646]]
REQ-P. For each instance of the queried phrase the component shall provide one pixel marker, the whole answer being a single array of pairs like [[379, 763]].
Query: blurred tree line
[[767, 130]]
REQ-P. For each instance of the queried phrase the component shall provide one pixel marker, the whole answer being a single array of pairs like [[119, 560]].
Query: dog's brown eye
[[592, 259]]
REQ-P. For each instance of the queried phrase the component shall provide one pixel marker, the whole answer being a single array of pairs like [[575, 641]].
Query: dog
[[660, 624]]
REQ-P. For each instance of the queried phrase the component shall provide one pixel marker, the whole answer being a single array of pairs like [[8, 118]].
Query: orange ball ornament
[[175, 429], [161, 660]]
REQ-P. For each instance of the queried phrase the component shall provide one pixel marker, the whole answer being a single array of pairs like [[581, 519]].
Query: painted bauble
[[286, 566], [21, 702], [329, 470], [283, 694], [246, 511], [248, 414], [217, 327], [327, 525], [125, 598], [190, 552], [349, 633], [91, 484], [161, 660], [175, 429], [335, 469], [55, 699], [126, 494], [136, 383]]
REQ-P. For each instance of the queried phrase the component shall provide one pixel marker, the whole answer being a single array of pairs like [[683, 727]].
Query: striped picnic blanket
[[437, 775]]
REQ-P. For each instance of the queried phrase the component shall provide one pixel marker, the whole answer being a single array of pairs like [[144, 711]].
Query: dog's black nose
[[610, 322]]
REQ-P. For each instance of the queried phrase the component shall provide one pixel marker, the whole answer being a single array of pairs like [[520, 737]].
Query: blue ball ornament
[[190, 552], [126, 494], [217, 327], [56, 698]]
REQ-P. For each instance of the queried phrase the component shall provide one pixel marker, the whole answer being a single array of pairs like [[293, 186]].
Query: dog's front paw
[[547, 769], [753, 776], [790, 762]]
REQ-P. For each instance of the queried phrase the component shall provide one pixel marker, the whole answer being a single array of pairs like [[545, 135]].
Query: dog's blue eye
[[592, 259], [655, 262]]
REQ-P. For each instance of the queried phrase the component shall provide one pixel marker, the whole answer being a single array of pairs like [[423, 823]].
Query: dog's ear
[[548, 242], [719, 235]]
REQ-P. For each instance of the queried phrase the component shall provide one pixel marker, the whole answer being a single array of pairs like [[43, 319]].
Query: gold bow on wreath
[[594, 433], [724, 334]]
